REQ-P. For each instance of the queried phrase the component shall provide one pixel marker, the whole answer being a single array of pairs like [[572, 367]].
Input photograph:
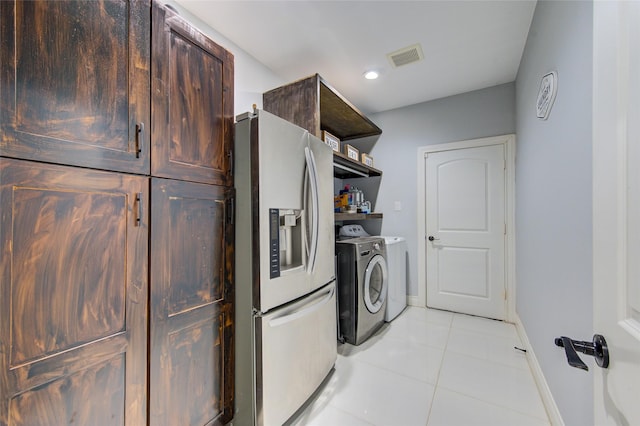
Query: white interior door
[[465, 227], [616, 209]]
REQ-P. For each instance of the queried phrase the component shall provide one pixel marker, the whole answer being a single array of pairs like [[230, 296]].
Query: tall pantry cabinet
[[116, 221], [192, 234]]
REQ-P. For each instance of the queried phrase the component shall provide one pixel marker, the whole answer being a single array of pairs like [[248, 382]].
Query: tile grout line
[[491, 361], [377, 367], [501, 366], [435, 386], [395, 373], [349, 413], [352, 415], [438, 388], [493, 404]]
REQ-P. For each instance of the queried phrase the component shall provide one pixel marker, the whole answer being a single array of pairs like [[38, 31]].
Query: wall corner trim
[[541, 383], [415, 301]]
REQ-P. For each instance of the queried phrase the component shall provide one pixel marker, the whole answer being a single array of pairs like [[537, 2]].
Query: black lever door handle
[[597, 348], [572, 356]]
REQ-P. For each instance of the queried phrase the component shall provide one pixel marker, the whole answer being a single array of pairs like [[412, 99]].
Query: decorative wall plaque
[[546, 95]]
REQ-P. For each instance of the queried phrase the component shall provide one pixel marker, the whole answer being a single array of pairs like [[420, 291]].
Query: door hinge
[[505, 229]]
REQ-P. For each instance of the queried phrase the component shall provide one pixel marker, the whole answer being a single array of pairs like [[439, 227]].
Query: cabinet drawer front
[[192, 107], [75, 82], [73, 294]]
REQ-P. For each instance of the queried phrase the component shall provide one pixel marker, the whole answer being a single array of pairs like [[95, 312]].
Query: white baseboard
[[414, 301], [545, 393]]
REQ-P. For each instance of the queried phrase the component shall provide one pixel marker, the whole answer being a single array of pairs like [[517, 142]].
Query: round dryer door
[[375, 283]]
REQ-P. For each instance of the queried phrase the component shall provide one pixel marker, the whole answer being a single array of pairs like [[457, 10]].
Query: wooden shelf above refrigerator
[[357, 216], [346, 168], [313, 104]]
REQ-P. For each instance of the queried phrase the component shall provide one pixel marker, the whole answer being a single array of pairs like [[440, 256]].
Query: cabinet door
[[73, 296], [74, 82], [192, 108], [192, 316]]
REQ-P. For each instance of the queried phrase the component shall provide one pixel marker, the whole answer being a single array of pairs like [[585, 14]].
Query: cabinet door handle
[[139, 208], [139, 138]]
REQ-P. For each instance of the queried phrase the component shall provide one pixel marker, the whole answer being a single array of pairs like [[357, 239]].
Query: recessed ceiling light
[[371, 75]]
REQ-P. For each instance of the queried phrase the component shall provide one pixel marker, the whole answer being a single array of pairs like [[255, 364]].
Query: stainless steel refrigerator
[[285, 278]]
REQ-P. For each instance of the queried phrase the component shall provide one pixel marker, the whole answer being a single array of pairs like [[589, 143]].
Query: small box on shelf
[[367, 159], [351, 152], [340, 202], [331, 140]]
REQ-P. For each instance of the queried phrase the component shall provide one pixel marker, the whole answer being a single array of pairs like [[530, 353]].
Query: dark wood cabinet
[[114, 311], [73, 295], [74, 83], [192, 317], [191, 282], [192, 108]]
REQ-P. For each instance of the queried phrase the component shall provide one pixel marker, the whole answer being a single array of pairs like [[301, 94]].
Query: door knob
[[432, 238], [597, 348]]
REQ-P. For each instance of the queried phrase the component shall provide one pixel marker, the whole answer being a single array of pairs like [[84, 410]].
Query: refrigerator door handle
[[305, 207], [304, 310], [315, 223]]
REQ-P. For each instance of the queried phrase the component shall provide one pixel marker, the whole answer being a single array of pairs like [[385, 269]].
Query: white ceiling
[[468, 45]]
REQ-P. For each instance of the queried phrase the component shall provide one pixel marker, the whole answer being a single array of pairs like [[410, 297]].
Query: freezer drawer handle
[[304, 311], [597, 348]]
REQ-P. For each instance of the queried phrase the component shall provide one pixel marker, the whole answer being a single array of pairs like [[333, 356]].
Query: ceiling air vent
[[406, 56]]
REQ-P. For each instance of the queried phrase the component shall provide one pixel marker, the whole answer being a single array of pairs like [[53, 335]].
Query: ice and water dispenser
[[286, 234]]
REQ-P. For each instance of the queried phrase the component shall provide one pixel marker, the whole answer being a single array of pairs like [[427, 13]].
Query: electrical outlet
[[397, 206]]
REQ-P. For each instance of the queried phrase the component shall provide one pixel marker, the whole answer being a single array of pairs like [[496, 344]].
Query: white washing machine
[[397, 266], [362, 280]]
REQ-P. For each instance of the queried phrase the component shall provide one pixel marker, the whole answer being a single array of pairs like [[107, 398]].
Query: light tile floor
[[429, 367]]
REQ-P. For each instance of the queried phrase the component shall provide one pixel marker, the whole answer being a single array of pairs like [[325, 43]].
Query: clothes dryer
[[362, 279], [397, 289]]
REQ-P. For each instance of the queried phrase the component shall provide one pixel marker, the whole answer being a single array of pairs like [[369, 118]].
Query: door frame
[[509, 143]]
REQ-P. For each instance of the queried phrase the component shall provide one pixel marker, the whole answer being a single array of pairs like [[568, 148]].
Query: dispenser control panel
[[274, 243]]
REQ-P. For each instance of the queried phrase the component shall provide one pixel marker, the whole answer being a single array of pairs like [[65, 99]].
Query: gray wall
[[553, 199], [478, 114]]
